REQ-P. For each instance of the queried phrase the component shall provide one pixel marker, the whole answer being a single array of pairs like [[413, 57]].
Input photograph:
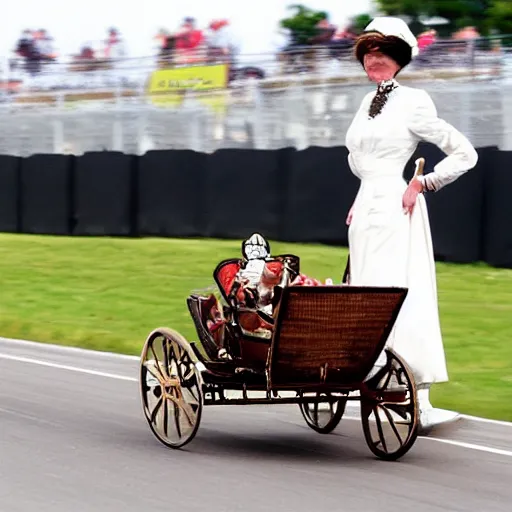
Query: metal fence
[[472, 89]]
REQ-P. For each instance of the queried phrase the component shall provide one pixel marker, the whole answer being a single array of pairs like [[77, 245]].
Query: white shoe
[[430, 418]]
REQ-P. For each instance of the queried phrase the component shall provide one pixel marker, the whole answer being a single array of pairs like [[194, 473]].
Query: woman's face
[[380, 67]]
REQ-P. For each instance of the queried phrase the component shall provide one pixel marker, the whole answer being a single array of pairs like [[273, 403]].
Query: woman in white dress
[[389, 233]]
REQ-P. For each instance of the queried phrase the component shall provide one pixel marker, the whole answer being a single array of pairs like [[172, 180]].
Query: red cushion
[[226, 276]]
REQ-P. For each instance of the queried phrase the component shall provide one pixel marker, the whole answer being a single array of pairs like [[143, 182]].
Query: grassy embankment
[[108, 294]]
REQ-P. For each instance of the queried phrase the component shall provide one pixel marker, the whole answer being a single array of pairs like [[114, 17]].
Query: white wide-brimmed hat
[[391, 26]]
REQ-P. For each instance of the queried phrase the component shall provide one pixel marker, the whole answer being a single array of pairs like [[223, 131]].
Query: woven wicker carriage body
[[322, 347]]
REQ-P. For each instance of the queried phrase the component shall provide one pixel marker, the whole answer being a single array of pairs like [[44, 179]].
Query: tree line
[[488, 16]]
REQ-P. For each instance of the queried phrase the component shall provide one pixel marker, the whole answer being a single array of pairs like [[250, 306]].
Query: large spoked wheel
[[325, 416], [389, 409], [171, 388]]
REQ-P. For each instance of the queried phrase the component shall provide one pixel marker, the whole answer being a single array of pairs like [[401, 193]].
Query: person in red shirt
[[189, 42], [426, 39], [189, 37]]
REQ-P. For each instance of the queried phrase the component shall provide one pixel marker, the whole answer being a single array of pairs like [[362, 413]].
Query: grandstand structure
[[303, 101]]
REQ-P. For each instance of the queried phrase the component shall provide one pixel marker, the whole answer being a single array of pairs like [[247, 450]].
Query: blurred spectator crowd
[[37, 61], [35, 49], [187, 45], [335, 44], [190, 44]]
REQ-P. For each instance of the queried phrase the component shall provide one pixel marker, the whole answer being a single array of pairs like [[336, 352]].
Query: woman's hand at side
[[350, 215], [410, 195]]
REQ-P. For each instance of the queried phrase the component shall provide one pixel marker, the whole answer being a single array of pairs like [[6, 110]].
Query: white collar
[[387, 85]]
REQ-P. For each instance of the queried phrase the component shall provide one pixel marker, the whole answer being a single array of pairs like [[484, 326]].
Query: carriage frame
[[327, 347]]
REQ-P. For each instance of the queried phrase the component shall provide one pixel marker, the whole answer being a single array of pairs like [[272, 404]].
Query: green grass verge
[[108, 294]]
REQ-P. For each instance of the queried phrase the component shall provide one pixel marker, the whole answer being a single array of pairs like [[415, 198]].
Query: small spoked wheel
[[323, 417], [171, 388], [389, 409]]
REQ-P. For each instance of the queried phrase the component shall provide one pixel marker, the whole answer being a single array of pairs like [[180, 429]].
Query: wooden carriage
[[322, 351]]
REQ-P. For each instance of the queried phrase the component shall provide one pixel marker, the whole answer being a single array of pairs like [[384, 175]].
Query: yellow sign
[[198, 78]]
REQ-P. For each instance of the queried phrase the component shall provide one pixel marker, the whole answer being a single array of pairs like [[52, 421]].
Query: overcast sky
[[72, 23]]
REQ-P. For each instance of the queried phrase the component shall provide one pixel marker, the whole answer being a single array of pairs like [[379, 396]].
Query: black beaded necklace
[[381, 97]]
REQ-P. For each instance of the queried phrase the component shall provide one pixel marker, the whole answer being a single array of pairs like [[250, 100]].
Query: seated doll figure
[[258, 275]]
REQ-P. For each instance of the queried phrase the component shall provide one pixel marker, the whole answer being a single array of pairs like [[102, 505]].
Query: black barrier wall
[[9, 194], [288, 195], [103, 194], [45, 199]]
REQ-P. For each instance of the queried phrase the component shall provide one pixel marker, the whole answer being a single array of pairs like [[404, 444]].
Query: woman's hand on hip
[[409, 198]]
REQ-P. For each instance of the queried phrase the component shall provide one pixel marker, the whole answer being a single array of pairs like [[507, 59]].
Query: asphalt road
[[73, 438]]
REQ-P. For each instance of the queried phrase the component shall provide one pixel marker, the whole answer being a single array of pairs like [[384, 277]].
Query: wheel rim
[[171, 388], [389, 409], [322, 415]]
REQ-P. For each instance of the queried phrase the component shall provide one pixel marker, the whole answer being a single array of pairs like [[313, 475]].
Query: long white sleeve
[[427, 126]]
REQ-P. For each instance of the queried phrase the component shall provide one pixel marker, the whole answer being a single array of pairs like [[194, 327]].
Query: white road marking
[[113, 355], [49, 364], [63, 348], [501, 423], [470, 446], [28, 416], [460, 444], [487, 420], [66, 367]]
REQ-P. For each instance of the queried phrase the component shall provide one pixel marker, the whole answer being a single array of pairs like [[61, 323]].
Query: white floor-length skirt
[[391, 248]]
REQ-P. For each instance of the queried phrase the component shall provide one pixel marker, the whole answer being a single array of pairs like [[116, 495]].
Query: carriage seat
[[255, 324], [251, 315]]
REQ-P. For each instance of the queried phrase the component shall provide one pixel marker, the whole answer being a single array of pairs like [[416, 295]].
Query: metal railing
[[470, 85], [71, 73]]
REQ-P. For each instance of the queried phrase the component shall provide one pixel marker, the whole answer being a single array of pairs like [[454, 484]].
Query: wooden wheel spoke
[[315, 413], [379, 428], [178, 355], [155, 410], [190, 372], [310, 412], [191, 402], [168, 397], [185, 359], [179, 369], [399, 409], [401, 377], [185, 370], [177, 419], [179, 394], [388, 379], [189, 413], [392, 424], [166, 418], [366, 410], [154, 369], [155, 357], [184, 406], [377, 378], [397, 398], [165, 348]]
